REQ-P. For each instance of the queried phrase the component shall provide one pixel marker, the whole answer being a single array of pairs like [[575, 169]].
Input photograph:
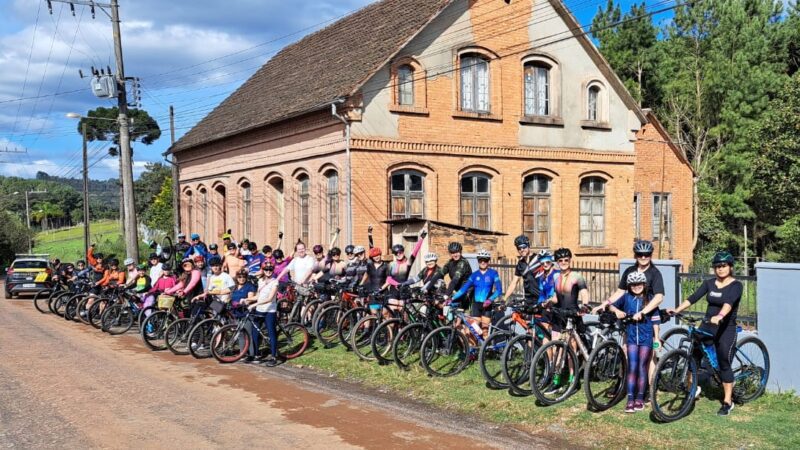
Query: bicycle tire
[[672, 338], [176, 336], [326, 326], [155, 338], [293, 340], [140, 318], [444, 342], [308, 312], [40, 300], [82, 309], [607, 370], [361, 336], [322, 307], [199, 341], [229, 345], [52, 303], [69, 309], [667, 379], [96, 311], [383, 339], [546, 375], [750, 377], [167, 250], [406, 345], [346, 324], [117, 319], [515, 363], [490, 359]]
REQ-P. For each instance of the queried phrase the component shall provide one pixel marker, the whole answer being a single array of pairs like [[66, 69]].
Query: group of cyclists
[[253, 280]]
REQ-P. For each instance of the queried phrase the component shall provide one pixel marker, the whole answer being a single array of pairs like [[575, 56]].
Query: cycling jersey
[[567, 289], [458, 271], [640, 333], [254, 263], [547, 285], [528, 269], [428, 277], [487, 285], [376, 275], [717, 298], [399, 270], [241, 292]]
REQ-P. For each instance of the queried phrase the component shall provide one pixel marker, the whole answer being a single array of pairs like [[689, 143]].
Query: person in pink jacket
[[163, 285]]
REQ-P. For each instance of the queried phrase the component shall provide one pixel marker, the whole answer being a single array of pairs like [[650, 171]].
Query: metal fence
[[602, 280]]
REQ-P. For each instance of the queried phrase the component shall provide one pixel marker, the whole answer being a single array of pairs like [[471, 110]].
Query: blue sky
[[190, 54]]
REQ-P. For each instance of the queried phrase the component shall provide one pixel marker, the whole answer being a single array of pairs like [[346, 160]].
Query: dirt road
[[66, 385]]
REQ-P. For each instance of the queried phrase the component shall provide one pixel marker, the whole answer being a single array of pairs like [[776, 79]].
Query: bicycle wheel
[[177, 336], [199, 338], [69, 309], [347, 323], [673, 338], [229, 344], [515, 363], [308, 312], [167, 250], [383, 339], [293, 340], [82, 312], [490, 359], [142, 316], [41, 298], [59, 300], [405, 348], [605, 375], [95, 312], [674, 385], [117, 319], [443, 352], [553, 373], [361, 336], [750, 369], [154, 328], [326, 326]]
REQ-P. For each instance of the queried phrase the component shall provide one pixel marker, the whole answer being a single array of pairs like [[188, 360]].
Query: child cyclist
[[637, 304]]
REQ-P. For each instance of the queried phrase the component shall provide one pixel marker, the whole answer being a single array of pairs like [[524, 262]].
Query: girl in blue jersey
[[486, 286]]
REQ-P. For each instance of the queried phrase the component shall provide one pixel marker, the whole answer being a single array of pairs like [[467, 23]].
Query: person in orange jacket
[[96, 262]]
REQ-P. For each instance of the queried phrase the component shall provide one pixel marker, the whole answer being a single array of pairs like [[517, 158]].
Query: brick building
[[494, 117]]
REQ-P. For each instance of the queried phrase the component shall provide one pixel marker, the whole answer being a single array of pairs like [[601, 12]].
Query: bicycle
[[677, 375], [327, 326], [230, 343], [153, 330], [407, 342], [517, 353], [177, 332], [360, 335], [118, 318], [382, 339], [607, 367]]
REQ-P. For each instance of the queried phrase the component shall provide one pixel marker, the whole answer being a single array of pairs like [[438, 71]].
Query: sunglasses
[[522, 247], [643, 255], [564, 260], [483, 260]]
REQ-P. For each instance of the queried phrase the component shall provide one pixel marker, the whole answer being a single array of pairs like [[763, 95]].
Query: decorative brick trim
[[551, 153]]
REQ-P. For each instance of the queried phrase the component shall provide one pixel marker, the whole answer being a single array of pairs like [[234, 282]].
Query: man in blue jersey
[[487, 288]]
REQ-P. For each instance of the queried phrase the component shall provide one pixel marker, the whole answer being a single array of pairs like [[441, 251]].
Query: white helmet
[[358, 250], [431, 257], [636, 277], [128, 261], [483, 254]]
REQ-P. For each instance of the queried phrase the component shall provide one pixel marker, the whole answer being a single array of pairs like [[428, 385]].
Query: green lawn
[[769, 422], [67, 244]]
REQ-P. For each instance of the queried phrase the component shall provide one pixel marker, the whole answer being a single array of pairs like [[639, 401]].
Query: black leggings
[[725, 341]]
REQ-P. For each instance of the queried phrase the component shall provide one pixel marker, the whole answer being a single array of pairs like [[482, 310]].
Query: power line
[[27, 66]]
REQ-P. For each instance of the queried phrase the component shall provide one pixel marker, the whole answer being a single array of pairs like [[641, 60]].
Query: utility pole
[[28, 214], [176, 210], [85, 192]]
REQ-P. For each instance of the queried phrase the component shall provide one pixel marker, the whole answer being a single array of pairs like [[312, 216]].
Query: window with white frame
[[592, 212], [304, 205], [636, 214], [593, 106], [333, 202], [474, 83], [405, 85], [247, 210], [407, 194], [475, 201], [537, 89]]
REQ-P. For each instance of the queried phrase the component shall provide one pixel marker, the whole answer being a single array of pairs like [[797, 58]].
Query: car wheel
[[9, 295]]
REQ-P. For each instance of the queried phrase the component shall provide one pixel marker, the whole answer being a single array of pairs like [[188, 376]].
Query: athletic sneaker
[[270, 361], [638, 405], [725, 409], [149, 328], [630, 408], [697, 393]]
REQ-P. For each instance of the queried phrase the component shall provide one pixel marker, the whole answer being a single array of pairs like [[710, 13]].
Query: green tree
[[45, 211], [149, 185], [159, 214], [14, 236]]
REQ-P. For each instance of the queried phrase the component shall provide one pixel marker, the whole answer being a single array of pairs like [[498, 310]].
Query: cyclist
[[723, 294], [571, 290], [197, 247], [359, 266], [112, 277], [200, 264], [528, 269], [213, 251], [130, 266], [97, 263], [488, 287], [458, 269], [254, 259], [219, 284], [639, 305], [400, 269], [335, 267], [267, 251], [281, 263], [155, 266], [320, 261], [264, 305], [190, 283], [227, 239], [428, 275], [161, 286], [300, 266], [181, 247], [232, 263]]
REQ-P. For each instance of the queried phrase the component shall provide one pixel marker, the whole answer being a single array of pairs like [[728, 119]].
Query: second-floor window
[[474, 84], [475, 201], [537, 89], [408, 194], [405, 85], [593, 106]]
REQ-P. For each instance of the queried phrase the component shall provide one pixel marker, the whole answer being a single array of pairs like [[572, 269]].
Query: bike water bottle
[[711, 352], [656, 349]]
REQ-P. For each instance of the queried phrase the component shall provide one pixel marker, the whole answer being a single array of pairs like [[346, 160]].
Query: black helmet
[[522, 241], [99, 256], [252, 247], [167, 267], [335, 251], [113, 262], [266, 249], [454, 247], [643, 247], [562, 253], [349, 249], [215, 261], [278, 254], [397, 248], [723, 257], [153, 256]]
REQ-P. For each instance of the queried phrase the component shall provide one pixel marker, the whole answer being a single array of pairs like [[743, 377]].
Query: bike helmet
[[69, 267], [483, 254], [195, 237], [545, 256], [723, 257], [113, 262], [129, 261], [99, 256], [166, 267], [215, 261], [199, 258], [318, 249], [187, 260], [266, 249], [80, 261], [141, 267], [643, 247], [397, 248], [522, 241], [375, 251], [152, 256], [454, 247], [335, 251], [431, 257], [213, 247], [278, 254], [357, 250], [268, 267], [231, 246], [636, 277], [349, 249], [562, 253]]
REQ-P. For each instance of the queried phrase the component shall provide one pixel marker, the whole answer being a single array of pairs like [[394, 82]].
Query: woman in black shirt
[[723, 294]]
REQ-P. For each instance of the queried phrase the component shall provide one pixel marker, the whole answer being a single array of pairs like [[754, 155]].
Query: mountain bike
[[407, 342], [382, 340], [678, 373], [153, 330], [361, 333], [604, 379], [515, 358], [231, 342], [119, 317]]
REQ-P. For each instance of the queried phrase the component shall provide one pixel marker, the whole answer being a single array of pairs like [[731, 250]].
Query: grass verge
[[769, 422], [67, 244]]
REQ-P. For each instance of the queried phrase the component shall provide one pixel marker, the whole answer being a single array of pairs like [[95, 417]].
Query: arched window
[[475, 83], [189, 210], [304, 204], [333, 202], [277, 209], [220, 210], [592, 212], [475, 201], [247, 210], [203, 210], [536, 209], [537, 89], [408, 194], [405, 85], [593, 103]]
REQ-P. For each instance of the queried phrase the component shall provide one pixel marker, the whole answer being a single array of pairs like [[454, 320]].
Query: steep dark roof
[[316, 70]]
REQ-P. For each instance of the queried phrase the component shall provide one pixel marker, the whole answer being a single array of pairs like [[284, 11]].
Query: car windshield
[[30, 265]]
